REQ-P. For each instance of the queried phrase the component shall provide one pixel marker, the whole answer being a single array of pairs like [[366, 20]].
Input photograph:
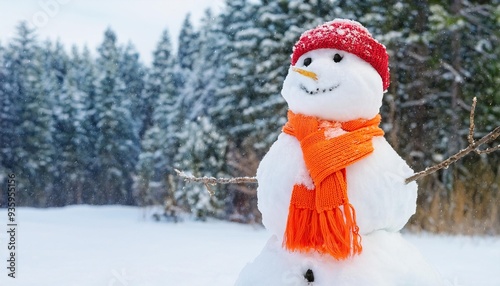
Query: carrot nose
[[305, 73]]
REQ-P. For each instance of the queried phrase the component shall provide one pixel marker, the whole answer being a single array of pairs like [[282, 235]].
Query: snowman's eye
[[307, 61], [337, 58]]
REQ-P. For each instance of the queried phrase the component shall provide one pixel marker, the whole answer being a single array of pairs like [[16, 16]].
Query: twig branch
[[470, 138], [214, 181], [473, 146], [488, 150]]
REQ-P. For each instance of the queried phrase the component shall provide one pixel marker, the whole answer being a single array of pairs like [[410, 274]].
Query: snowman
[[331, 189]]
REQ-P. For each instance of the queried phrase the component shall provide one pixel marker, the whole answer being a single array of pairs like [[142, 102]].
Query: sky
[[83, 22]]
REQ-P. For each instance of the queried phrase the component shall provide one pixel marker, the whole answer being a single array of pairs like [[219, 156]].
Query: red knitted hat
[[349, 36]]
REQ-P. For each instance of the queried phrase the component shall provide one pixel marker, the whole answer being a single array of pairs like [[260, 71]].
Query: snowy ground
[[114, 245]]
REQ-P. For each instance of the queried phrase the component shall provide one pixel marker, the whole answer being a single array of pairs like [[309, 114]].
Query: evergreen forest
[[79, 126]]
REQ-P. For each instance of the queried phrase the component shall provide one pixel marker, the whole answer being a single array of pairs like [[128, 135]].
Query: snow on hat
[[349, 36]]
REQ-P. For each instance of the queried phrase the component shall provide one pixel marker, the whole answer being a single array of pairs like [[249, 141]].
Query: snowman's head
[[338, 72]]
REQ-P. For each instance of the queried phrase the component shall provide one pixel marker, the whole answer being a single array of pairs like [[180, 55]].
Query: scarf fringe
[[334, 232]]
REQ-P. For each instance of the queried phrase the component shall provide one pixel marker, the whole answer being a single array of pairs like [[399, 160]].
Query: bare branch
[[473, 146], [488, 150], [209, 189], [443, 164], [470, 138], [214, 181]]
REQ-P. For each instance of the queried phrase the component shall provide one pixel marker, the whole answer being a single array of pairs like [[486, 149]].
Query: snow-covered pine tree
[[72, 170], [56, 60], [200, 152], [3, 96], [280, 33], [118, 138], [83, 69], [3, 108], [239, 50], [28, 119], [202, 146], [55, 66], [207, 69], [188, 50], [160, 141], [159, 79], [71, 140], [188, 40], [187, 53], [10, 108], [145, 188], [132, 73], [468, 28], [240, 41]]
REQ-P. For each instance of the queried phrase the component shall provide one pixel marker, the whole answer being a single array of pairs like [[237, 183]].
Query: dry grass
[[470, 206]]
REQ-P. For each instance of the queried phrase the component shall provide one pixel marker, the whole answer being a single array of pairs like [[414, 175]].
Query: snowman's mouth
[[319, 90]]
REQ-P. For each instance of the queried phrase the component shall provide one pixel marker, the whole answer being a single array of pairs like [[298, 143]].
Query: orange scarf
[[323, 219]]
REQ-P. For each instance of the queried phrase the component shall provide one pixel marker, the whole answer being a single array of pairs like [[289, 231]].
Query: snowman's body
[[338, 86], [376, 186], [387, 260]]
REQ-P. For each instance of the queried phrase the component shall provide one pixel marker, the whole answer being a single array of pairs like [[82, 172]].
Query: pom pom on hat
[[349, 36]]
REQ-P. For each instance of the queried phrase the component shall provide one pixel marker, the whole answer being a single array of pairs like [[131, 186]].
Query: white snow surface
[[116, 245]]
